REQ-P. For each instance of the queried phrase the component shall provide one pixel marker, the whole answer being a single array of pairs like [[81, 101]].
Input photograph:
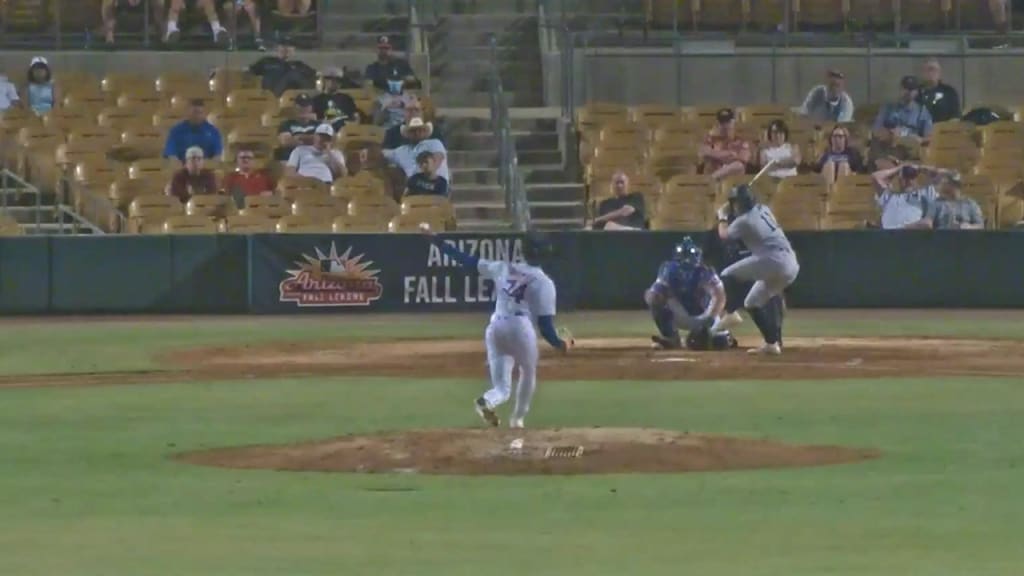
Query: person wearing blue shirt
[[911, 118], [194, 131]]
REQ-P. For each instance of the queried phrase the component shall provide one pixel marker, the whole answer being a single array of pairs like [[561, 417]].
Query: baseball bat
[[764, 169]]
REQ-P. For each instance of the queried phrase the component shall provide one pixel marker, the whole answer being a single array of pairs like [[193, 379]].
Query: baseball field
[[882, 442]]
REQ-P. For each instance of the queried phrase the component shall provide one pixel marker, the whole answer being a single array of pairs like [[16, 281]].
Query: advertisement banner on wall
[[308, 273]]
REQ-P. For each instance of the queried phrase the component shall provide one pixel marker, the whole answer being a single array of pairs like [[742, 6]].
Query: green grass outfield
[[87, 488]]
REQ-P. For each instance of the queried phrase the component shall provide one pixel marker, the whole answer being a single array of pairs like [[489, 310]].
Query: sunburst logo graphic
[[332, 279]]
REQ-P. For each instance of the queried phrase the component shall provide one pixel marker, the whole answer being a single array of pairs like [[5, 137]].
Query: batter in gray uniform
[[771, 266]]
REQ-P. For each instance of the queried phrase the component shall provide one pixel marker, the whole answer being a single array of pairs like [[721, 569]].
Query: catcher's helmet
[[536, 247], [741, 199], [687, 251]]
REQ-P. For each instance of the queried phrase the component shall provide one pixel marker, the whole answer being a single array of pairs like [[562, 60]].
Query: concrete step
[[474, 176], [483, 124], [548, 193], [477, 225], [559, 210], [481, 99], [549, 174], [531, 157], [524, 141], [471, 193], [552, 224], [481, 211], [472, 158]]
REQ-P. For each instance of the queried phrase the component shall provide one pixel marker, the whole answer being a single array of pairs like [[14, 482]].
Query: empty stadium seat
[[123, 190], [436, 210], [143, 141], [248, 224], [369, 224], [852, 202], [380, 208], [147, 214], [252, 100], [362, 183], [653, 115], [302, 225], [185, 224], [67, 120], [322, 207], [361, 134], [152, 168], [292, 187], [210, 206], [409, 223], [172, 82]]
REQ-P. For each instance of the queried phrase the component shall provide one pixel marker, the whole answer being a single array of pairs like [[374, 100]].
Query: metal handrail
[[509, 175], [11, 182]]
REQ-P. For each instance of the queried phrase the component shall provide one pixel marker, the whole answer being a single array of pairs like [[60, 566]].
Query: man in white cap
[[419, 139], [320, 161]]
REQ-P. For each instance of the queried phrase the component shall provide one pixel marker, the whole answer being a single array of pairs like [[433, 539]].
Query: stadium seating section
[[102, 150], [657, 147], [851, 15]]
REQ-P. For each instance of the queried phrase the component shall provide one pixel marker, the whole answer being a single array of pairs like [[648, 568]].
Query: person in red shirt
[[723, 153], [247, 179], [193, 179]]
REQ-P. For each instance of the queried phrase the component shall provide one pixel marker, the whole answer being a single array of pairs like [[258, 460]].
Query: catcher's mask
[[741, 199], [688, 252], [537, 247]]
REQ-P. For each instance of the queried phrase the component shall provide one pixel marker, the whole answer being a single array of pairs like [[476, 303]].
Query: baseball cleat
[[516, 423], [663, 343], [726, 322], [486, 414], [767, 350]]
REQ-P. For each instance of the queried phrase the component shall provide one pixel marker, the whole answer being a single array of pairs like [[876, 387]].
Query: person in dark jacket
[[388, 66], [941, 99], [332, 105], [282, 71]]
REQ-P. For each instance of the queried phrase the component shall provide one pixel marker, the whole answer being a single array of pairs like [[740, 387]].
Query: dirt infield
[[513, 452], [625, 359], [595, 359]]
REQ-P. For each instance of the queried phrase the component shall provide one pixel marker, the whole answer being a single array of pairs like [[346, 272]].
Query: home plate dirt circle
[[516, 452]]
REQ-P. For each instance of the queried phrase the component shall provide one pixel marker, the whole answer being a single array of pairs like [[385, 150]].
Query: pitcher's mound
[[551, 451]]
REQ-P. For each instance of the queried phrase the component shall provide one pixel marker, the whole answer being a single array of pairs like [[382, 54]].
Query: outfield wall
[[346, 273]]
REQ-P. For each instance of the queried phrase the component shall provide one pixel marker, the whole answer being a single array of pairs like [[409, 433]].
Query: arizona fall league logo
[[332, 279]]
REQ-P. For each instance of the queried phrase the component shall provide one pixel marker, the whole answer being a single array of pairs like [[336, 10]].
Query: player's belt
[[513, 314]]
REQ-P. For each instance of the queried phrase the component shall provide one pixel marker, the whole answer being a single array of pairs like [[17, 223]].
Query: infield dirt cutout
[[547, 451]]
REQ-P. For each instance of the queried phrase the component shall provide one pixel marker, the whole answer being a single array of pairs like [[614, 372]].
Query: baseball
[[516, 445], [424, 227]]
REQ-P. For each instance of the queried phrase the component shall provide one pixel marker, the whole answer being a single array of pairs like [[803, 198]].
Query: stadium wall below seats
[[753, 76], [297, 273]]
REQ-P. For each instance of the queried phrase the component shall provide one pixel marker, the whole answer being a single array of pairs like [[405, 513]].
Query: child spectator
[[426, 181], [40, 93]]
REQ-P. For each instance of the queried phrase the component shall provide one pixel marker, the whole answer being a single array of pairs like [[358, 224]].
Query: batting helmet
[[536, 247], [741, 199]]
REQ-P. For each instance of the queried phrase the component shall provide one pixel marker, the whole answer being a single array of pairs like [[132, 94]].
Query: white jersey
[[760, 232], [523, 290]]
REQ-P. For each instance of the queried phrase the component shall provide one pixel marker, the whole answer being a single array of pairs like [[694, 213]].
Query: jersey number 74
[[515, 290]]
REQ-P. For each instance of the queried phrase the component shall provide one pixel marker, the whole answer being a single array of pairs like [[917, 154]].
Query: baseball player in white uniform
[[771, 266], [524, 293]]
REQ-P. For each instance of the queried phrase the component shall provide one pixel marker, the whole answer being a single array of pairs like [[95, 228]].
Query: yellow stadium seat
[[182, 99], [762, 114], [146, 214], [119, 118], [604, 113], [98, 175], [171, 82], [116, 83], [852, 202], [302, 225], [149, 100], [706, 116], [87, 102], [382, 208], [292, 187], [355, 225], [65, 120], [652, 115], [962, 158], [409, 223], [189, 225], [361, 133], [926, 14], [321, 208], [1002, 135], [432, 209], [768, 15], [251, 99], [224, 80], [72, 154], [210, 206], [253, 135], [266, 206], [228, 120], [876, 14], [363, 183], [146, 142], [248, 224], [123, 190], [152, 169], [802, 187], [723, 14]]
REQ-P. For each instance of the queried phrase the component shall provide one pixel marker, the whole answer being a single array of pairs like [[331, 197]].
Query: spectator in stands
[[912, 119], [332, 105], [193, 179], [885, 150], [220, 34], [953, 210], [840, 157], [297, 130], [247, 179], [389, 109], [828, 102], [282, 71], [427, 181], [723, 153], [195, 130], [388, 66], [393, 136], [234, 8], [40, 92], [8, 94], [320, 161], [941, 99], [420, 136], [905, 205], [111, 9], [779, 150], [294, 7], [624, 210], [1001, 13]]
